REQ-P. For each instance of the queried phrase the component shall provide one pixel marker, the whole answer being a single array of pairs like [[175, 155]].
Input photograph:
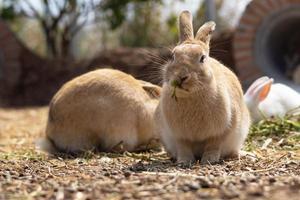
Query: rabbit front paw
[[185, 159], [184, 154], [210, 157]]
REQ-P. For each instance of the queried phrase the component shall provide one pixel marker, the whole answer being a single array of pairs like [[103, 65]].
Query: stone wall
[[10, 52], [27, 79], [257, 50]]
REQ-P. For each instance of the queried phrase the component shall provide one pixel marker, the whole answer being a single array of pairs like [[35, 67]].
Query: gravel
[[29, 174]]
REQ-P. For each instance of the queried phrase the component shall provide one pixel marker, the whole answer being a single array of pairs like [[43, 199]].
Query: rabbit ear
[[186, 26], [255, 84], [264, 90], [152, 90], [261, 91], [205, 31]]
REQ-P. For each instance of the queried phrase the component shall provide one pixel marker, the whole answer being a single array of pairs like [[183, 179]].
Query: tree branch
[[31, 7], [62, 11]]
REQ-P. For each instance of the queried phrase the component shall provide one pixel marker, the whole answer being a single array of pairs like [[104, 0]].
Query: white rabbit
[[265, 99], [100, 110]]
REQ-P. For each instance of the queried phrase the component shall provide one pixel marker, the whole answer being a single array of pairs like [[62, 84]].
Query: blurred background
[[44, 43]]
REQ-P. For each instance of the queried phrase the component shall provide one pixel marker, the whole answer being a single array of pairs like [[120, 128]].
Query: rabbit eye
[[202, 59]]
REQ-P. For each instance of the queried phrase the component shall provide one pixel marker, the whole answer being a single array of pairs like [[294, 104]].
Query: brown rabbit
[[100, 110], [201, 112]]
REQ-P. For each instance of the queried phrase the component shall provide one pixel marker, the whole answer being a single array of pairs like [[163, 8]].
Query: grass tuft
[[283, 132]]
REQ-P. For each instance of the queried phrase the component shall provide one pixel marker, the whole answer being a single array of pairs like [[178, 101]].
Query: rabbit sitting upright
[[201, 112], [265, 99], [100, 110]]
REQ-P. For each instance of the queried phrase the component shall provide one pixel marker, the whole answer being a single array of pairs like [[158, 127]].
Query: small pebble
[[127, 174]]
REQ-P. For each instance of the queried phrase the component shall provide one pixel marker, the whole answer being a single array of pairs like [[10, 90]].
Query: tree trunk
[[50, 42], [65, 47]]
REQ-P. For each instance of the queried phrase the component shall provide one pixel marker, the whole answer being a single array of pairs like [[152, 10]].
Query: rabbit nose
[[184, 78], [179, 81]]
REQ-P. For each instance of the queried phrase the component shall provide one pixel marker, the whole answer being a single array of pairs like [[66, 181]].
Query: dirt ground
[[28, 174]]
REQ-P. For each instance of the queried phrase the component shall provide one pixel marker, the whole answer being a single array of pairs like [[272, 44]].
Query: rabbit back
[[279, 101], [100, 109]]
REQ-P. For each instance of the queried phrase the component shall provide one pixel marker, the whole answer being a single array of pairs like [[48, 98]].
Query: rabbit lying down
[[201, 113], [265, 99], [101, 110]]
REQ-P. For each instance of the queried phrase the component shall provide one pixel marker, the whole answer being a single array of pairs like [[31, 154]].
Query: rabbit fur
[[201, 113], [266, 99], [101, 110]]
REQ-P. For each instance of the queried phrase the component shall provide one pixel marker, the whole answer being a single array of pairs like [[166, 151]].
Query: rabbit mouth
[[182, 90], [179, 92]]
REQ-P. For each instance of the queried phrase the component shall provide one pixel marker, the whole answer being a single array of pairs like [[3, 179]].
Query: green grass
[[23, 154], [284, 133]]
